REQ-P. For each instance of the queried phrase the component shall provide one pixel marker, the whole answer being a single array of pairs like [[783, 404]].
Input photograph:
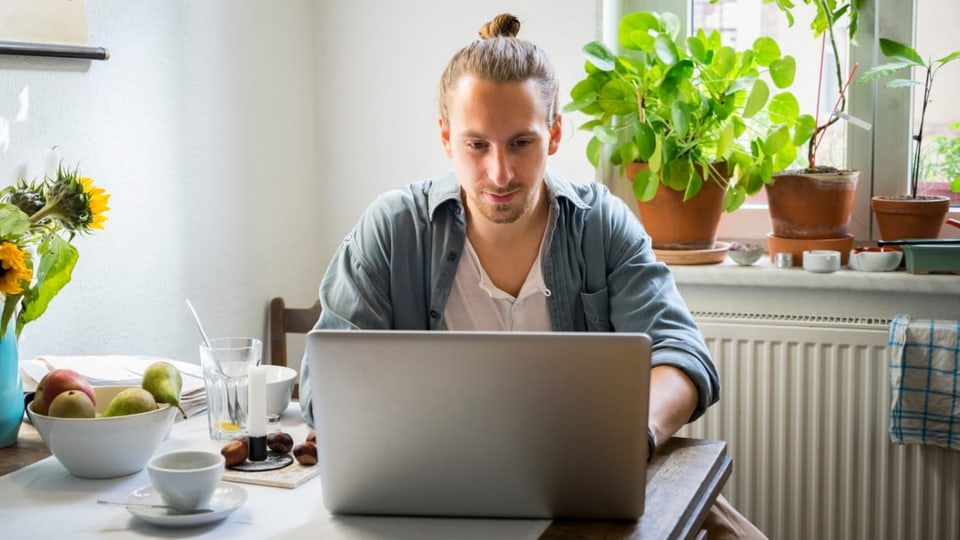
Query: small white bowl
[[874, 260], [821, 260], [104, 447], [745, 254], [280, 381]]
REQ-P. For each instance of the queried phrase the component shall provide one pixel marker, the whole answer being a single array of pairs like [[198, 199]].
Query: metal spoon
[[168, 507], [206, 340]]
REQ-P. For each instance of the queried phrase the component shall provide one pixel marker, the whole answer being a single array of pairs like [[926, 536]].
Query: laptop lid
[[481, 424]]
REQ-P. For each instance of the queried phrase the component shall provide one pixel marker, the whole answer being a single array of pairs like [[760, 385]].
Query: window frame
[[889, 111]]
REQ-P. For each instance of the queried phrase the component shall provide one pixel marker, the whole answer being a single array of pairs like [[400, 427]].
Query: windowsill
[[765, 274], [763, 288]]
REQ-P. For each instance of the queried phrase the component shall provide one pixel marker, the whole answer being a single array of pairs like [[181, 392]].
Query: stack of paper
[[119, 369]]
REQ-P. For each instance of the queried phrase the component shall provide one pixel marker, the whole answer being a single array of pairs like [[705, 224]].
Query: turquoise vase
[[11, 388]]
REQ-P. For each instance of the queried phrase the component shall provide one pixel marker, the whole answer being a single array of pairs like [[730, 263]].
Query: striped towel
[[925, 382]]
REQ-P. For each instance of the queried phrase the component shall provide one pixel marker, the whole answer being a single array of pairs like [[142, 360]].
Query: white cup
[[186, 479], [821, 260]]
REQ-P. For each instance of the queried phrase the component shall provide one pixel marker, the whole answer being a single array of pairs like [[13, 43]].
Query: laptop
[[481, 424]]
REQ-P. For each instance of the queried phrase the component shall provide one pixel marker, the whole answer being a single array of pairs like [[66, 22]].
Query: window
[[881, 153]]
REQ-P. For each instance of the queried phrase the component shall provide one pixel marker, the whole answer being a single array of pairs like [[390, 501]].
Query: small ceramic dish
[[745, 254], [875, 259], [821, 260]]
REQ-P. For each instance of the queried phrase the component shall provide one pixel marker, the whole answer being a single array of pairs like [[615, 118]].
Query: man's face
[[498, 139]]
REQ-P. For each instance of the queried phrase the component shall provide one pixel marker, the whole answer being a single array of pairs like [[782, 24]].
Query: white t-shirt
[[475, 303]]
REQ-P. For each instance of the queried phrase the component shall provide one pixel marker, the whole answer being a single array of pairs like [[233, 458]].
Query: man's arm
[[673, 398]]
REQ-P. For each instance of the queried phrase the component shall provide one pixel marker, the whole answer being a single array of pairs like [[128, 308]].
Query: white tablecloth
[[43, 500]]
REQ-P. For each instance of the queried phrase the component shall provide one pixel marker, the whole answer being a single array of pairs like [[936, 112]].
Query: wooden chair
[[283, 321]]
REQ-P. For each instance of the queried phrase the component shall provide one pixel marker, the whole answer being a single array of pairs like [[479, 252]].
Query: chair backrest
[[283, 321]]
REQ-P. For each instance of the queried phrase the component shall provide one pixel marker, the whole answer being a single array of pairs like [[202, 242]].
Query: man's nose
[[498, 167]]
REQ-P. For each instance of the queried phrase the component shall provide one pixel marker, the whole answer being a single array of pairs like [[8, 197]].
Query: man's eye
[[476, 145], [521, 143]]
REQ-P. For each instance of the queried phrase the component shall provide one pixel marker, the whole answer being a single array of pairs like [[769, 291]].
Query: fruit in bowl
[[103, 446]]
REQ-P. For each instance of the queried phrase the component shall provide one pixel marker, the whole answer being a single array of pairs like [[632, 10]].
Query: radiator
[[804, 410]]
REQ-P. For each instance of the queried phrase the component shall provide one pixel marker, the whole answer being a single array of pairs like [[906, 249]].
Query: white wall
[[240, 141]]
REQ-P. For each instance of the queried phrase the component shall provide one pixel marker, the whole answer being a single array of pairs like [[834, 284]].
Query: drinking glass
[[225, 362]]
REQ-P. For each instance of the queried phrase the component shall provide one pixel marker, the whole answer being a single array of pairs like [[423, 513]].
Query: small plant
[[829, 13], [907, 58], [682, 106]]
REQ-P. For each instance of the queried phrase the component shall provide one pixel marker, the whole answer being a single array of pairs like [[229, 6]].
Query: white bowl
[[104, 447], [869, 260], [280, 381]]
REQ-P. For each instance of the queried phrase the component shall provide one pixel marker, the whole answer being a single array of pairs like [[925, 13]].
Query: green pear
[[131, 401], [164, 381], [71, 404]]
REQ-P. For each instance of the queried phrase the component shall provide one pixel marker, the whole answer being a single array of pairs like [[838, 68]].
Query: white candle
[[257, 404]]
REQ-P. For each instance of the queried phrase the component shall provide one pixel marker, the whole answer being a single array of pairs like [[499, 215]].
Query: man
[[501, 243]]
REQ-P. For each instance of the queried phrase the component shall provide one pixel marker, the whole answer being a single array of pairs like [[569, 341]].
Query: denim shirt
[[396, 268]]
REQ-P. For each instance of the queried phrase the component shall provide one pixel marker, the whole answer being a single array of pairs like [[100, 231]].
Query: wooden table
[[683, 480]]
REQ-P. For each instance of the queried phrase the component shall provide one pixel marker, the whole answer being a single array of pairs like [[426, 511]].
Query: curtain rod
[[53, 50]]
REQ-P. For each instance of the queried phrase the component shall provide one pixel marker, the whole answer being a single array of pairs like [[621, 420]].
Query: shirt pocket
[[596, 309]]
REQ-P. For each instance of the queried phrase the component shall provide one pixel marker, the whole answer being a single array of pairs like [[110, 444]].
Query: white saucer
[[227, 498]]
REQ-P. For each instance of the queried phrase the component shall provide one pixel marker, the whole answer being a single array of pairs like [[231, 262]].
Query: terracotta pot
[[814, 205], [674, 224], [901, 217]]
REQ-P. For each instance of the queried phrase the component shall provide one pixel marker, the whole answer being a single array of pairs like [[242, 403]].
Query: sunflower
[[97, 199], [14, 271]]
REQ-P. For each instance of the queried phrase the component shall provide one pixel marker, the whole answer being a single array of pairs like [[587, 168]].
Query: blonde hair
[[500, 57]]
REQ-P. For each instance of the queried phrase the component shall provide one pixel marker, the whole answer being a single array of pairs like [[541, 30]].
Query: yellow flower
[[14, 271], [97, 199]]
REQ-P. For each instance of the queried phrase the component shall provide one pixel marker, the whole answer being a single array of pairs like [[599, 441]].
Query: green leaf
[[697, 49], [724, 61], [766, 50], [599, 55], [618, 97], [740, 83], [734, 198], [580, 104], [776, 139], [949, 58], [782, 72], [9, 307], [804, 129], [784, 109], [594, 149], [671, 24], [902, 83], [633, 31], [666, 50], [689, 176], [646, 141], [605, 134], [680, 114], [882, 70], [13, 222], [656, 158], [57, 259], [739, 126], [899, 51], [783, 159], [588, 126], [725, 142], [955, 185], [757, 98], [629, 152], [645, 184]]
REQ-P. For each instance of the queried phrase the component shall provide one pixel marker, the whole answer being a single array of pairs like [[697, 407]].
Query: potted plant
[[810, 207], [687, 119], [910, 215]]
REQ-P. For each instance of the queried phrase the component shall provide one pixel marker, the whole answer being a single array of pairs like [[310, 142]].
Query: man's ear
[[444, 136], [556, 132]]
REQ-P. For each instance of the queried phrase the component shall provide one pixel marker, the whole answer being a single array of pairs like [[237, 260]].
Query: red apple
[[54, 383]]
